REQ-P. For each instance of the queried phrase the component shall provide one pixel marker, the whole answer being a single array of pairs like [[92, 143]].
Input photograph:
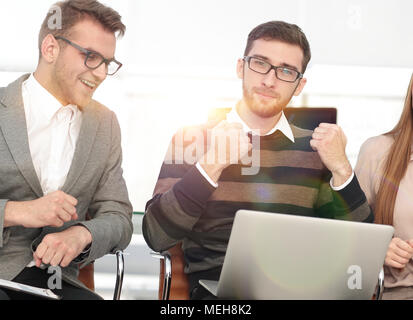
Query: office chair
[[310, 118], [173, 282], [86, 275]]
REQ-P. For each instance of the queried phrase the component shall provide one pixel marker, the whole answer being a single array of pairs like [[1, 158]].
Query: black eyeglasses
[[282, 73], [94, 60]]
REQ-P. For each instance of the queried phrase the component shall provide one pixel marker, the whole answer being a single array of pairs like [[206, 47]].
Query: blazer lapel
[[85, 141], [14, 128]]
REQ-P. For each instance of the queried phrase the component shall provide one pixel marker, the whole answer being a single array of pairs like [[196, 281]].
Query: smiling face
[[71, 82], [264, 94]]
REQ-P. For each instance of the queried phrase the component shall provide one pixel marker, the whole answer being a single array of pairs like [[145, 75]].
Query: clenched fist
[[229, 144], [330, 143], [52, 210], [62, 247], [399, 253]]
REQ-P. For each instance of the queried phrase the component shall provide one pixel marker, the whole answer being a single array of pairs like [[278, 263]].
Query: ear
[[300, 86], [240, 68], [50, 48]]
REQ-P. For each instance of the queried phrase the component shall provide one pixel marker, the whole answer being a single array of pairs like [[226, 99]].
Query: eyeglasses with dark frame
[[94, 60], [263, 67]]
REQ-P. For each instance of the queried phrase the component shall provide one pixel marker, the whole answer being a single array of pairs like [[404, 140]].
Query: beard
[[68, 88], [264, 107]]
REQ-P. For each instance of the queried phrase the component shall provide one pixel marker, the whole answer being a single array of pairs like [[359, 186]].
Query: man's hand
[[330, 143], [62, 247], [229, 144], [399, 253], [52, 210]]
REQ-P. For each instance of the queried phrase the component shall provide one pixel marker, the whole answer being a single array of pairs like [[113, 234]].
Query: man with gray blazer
[[60, 155]]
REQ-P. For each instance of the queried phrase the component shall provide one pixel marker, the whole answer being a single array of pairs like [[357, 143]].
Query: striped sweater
[[292, 180]]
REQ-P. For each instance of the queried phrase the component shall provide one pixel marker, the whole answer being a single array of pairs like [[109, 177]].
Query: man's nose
[[100, 72], [270, 79]]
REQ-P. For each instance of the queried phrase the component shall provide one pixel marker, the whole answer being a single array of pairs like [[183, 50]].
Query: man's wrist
[[212, 170], [11, 214], [342, 186], [341, 175], [84, 235], [83, 255], [205, 175]]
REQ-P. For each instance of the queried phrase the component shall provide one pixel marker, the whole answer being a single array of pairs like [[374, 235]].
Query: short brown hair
[[281, 31], [73, 11]]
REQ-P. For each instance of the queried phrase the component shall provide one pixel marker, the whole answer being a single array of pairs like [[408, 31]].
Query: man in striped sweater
[[251, 158]]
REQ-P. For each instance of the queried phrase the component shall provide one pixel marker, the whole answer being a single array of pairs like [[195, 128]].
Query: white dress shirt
[[52, 130], [281, 125]]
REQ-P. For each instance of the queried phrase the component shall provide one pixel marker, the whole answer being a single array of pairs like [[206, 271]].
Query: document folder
[[45, 293]]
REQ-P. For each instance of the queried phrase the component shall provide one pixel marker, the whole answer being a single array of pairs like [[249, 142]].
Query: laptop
[[279, 256]]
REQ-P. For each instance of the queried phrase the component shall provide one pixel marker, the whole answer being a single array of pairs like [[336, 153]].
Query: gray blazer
[[94, 179]]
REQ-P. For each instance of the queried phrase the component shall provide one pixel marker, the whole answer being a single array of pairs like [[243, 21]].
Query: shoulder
[[100, 108], [13, 91], [377, 146], [101, 113], [373, 154], [2, 93], [370, 164]]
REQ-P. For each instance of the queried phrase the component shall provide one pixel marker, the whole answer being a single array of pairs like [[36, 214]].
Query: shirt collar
[[39, 96], [281, 125]]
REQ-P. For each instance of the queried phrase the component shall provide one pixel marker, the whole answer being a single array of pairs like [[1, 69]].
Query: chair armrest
[[119, 274], [380, 285], [167, 262]]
